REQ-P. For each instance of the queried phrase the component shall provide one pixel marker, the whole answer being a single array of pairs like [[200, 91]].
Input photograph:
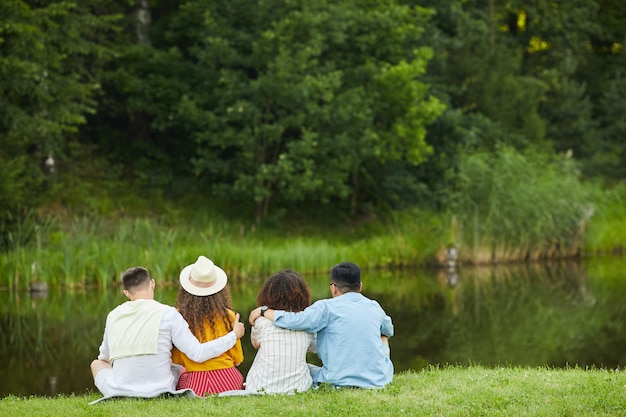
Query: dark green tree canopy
[[296, 101], [49, 58], [346, 107]]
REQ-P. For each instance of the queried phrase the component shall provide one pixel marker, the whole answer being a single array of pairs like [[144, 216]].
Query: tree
[[607, 155], [302, 101], [477, 71], [527, 74], [47, 61], [605, 73]]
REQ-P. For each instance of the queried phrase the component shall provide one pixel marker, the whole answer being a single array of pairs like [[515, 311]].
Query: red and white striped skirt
[[211, 382]]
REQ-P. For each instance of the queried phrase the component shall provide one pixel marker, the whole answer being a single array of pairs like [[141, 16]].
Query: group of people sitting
[[150, 348]]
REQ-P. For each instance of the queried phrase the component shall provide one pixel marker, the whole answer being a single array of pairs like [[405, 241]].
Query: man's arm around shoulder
[[187, 343]]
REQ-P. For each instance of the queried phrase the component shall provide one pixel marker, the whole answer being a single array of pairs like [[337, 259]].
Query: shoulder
[[370, 301], [322, 306], [323, 303], [171, 313], [263, 323], [358, 296], [170, 309], [156, 303], [120, 309], [116, 309]]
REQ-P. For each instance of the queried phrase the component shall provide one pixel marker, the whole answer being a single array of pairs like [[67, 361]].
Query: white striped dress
[[280, 363]]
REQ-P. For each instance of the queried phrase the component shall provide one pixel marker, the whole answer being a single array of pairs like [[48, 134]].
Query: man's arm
[[253, 338], [311, 319], [102, 361], [313, 345], [187, 343], [104, 347], [256, 313], [386, 329]]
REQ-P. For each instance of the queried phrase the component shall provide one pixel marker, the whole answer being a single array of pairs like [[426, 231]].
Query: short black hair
[[346, 276], [135, 277]]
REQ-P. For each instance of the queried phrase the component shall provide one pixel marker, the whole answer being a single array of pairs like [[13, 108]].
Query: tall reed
[[94, 251], [607, 233], [517, 206], [26, 227]]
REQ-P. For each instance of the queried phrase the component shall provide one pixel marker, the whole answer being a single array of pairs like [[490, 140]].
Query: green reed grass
[[90, 251], [607, 233], [514, 206]]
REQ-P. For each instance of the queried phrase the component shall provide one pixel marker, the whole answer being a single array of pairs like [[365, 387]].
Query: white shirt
[[150, 375], [280, 363]]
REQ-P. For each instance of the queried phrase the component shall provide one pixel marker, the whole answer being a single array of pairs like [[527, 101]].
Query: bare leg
[[97, 365]]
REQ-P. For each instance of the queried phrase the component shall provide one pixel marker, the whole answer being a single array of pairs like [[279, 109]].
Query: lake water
[[557, 315]]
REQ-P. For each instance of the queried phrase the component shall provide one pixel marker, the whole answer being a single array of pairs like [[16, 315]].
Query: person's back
[[144, 374], [350, 344], [134, 356], [352, 333], [280, 363], [204, 301]]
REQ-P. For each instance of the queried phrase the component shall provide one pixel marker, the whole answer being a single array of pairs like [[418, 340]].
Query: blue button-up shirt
[[349, 329]]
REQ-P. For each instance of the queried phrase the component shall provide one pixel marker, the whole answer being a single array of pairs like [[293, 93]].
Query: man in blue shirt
[[352, 332]]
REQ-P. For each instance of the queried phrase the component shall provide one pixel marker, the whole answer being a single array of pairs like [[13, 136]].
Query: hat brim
[[218, 285]]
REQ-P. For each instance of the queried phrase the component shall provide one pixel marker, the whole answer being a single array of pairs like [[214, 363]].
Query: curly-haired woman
[[204, 301], [280, 363]]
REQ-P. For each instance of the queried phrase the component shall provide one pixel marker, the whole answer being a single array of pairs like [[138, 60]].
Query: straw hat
[[203, 277]]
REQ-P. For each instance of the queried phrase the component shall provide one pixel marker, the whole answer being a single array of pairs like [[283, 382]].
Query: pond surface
[[557, 315]]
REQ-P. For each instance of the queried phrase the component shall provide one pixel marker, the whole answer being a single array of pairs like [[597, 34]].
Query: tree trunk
[[144, 18], [492, 24]]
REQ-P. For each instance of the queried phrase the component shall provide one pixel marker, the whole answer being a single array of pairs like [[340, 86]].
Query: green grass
[[94, 251], [71, 251], [450, 391]]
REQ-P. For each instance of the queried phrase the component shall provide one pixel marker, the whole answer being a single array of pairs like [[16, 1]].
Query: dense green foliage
[[48, 60], [529, 74], [310, 111]]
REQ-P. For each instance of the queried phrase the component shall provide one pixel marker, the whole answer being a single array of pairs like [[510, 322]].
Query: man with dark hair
[[135, 359], [352, 332]]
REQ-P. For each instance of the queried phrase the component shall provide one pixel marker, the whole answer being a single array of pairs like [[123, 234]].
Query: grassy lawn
[[449, 391]]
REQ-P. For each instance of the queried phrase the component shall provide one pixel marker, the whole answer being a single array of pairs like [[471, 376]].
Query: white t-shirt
[[280, 363]]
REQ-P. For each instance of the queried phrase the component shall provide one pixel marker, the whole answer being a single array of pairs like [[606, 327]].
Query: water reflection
[[551, 314]]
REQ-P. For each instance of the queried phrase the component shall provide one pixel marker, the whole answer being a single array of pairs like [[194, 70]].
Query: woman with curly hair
[[280, 363], [204, 301]]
